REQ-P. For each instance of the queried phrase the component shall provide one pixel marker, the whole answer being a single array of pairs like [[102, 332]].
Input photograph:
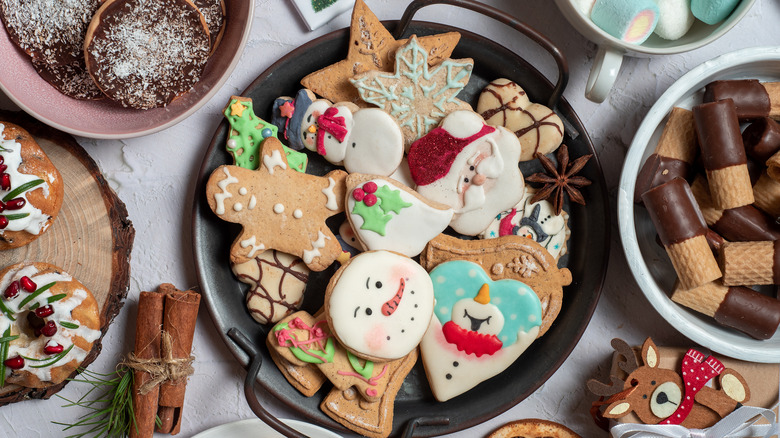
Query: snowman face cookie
[[307, 130], [379, 305]]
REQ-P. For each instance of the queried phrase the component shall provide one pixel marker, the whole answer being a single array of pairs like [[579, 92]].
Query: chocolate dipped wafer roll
[[738, 307], [773, 166], [761, 139], [750, 263], [766, 191], [682, 231], [723, 154], [674, 155], [740, 224], [753, 99]]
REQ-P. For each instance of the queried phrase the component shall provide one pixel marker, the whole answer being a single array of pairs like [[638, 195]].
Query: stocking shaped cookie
[[385, 214], [539, 129], [470, 167], [479, 327], [279, 208]]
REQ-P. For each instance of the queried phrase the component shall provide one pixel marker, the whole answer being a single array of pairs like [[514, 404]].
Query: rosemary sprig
[[21, 189], [16, 216], [111, 412], [35, 294], [54, 359], [69, 325], [9, 338], [4, 355], [54, 298], [6, 310]]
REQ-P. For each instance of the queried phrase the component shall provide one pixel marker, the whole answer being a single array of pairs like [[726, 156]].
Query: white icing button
[[242, 191], [278, 208], [232, 143], [238, 206], [297, 214]]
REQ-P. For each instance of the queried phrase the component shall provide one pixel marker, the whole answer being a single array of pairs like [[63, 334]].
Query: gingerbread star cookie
[[371, 47], [279, 208], [417, 96]]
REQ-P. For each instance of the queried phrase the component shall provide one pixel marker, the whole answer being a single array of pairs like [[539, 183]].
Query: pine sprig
[[110, 412]]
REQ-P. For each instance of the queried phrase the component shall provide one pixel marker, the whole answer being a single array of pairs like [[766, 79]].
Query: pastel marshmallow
[[631, 21], [675, 18], [712, 11]]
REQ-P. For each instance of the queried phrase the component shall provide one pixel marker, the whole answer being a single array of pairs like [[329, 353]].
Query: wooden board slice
[[91, 238]]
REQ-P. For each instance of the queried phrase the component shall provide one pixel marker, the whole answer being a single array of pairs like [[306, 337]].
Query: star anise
[[560, 180]]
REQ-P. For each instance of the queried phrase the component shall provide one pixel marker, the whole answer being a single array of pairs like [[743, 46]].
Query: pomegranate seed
[[37, 332], [2, 159], [15, 362], [28, 284], [12, 290], [2, 206], [43, 312], [53, 349], [5, 181], [3, 167], [15, 204], [49, 329], [3, 222]]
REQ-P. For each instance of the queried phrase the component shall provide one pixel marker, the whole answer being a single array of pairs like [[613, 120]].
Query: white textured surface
[[155, 177]]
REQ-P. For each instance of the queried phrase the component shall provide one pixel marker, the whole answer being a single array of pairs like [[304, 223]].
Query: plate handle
[[498, 15], [256, 361], [415, 423]]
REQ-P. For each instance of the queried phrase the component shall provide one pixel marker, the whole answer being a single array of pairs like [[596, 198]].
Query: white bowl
[[648, 260], [254, 428], [607, 63]]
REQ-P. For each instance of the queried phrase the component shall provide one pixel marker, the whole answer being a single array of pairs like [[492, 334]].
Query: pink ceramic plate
[[104, 118]]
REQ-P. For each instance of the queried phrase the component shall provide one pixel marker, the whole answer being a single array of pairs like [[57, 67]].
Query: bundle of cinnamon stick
[[161, 361]]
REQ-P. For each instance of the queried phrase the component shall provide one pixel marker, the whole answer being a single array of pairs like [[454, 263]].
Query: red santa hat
[[431, 157]]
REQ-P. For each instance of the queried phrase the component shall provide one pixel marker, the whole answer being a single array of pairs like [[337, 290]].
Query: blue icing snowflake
[[461, 280]]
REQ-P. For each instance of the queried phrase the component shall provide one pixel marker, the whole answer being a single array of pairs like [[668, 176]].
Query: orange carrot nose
[[483, 296], [312, 129]]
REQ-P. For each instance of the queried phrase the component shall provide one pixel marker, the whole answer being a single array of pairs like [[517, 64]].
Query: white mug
[[607, 63]]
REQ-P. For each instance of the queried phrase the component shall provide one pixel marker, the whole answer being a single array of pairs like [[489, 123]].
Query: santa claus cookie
[[144, 54], [31, 189], [385, 214], [48, 323], [276, 284], [504, 103], [479, 328], [279, 208], [379, 304], [534, 220], [469, 166]]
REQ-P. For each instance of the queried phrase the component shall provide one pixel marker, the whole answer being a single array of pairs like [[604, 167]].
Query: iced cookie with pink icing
[[385, 214], [478, 329], [364, 140], [534, 220], [378, 305], [469, 166]]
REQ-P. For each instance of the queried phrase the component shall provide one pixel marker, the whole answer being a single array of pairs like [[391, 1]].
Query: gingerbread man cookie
[[539, 129], [279, 208]]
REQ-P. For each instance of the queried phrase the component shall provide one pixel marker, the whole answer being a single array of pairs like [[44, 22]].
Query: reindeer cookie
[[279, 208], [664, 396]]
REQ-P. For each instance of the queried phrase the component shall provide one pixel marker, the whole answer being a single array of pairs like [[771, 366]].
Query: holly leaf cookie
[[371, 47], [416, 95], [279, 208], [539, 129]]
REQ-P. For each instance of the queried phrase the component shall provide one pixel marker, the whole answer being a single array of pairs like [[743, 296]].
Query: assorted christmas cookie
[[371, 47], [507, 257], [276, 282], [533, 428], [479, 328], [31, 189], [504, 103], [378, 305], [534, 220], [385, 214], [48, 322], [146, 54], [469, 166], [416, 95], [666, 391], [247, 133], [279, 208], [288, 114]]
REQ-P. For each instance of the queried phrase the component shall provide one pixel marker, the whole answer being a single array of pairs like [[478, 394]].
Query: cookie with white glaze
[[31, 188]]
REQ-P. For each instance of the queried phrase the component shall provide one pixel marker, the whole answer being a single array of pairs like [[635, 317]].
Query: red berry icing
[[12, 290], [27, 284], [358, 194], [370, 199], [49, 329], [369, 187]]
